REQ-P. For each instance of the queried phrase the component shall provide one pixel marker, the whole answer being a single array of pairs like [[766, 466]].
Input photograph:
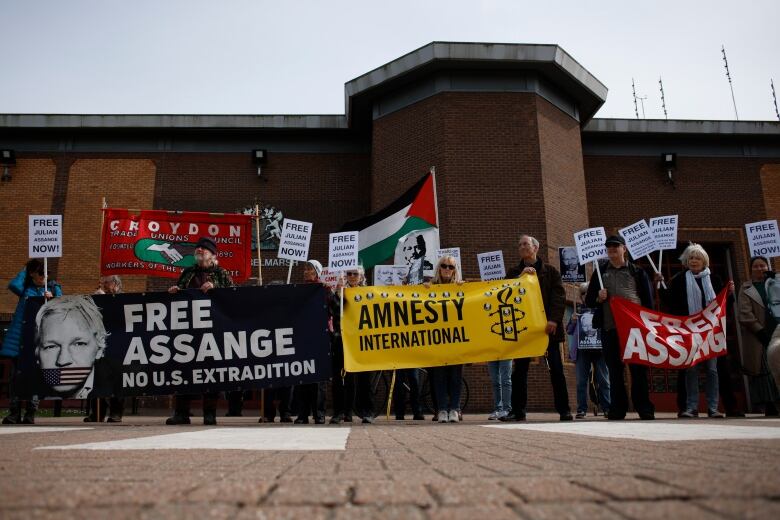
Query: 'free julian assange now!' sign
[[45, 236]]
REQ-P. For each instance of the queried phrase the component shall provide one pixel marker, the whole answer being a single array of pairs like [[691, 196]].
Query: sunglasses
[[353, 274], [447, 266]]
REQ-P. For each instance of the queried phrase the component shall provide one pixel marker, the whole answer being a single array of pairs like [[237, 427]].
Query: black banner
[[185, 343]]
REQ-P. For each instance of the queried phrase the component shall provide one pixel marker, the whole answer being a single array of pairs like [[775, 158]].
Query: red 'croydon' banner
[[662, 340], [162, 243]]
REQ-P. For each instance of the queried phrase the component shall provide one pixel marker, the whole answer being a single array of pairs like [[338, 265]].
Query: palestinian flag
[[415, 210]]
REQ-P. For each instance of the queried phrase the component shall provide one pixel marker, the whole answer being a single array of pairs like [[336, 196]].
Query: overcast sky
[[293, 57]]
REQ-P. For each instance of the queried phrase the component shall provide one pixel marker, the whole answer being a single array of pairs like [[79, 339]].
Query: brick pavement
[[391, 470]]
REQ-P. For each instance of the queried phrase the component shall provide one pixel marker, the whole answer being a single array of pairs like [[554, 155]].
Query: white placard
[[294, 241], [450, 251], [330, 278], [390, 274], [343, 250], [763, 238], [590, 244], [45, 236], [640, 241], [491, 266], [664, 230]]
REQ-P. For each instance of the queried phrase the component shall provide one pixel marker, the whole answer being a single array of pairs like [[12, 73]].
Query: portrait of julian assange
[[70, 348]]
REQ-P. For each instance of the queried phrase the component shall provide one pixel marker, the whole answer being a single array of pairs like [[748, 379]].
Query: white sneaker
[[493, 416], [443, 417], [454, 417]]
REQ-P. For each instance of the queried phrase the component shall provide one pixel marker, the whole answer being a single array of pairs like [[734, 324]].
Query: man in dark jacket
[[205, 275], [554, 298], [621, 278]]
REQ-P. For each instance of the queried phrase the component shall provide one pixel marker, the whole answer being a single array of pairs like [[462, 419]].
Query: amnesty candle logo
[[387, 328], [65, 376]]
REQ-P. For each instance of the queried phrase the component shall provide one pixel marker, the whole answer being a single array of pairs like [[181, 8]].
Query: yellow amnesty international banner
[[389, 327]]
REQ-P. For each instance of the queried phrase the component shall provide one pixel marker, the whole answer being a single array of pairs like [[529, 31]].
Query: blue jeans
[[446, 380], [501, 376], [586, 359], [710, 387]]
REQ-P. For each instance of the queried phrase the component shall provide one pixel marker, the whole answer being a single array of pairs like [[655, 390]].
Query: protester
[[758, 325], [621, 278], [28, 282], [446, 379], [205, 275], [310, 398], [773, 300], [554, 299], [688, 293], [115, 406], [587, 359]]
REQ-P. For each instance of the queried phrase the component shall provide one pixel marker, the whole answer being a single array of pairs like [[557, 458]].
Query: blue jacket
[[13, 338]]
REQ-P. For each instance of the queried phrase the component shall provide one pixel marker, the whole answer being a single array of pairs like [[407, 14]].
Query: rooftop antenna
[[642, 102], [774, 98], [636, 107], [663, 99], [728, 75]]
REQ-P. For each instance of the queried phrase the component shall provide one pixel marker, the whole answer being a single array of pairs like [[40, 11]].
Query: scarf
[[695, 303]]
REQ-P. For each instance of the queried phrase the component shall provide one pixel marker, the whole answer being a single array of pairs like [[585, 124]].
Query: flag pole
[[257, 240], [435, 195]]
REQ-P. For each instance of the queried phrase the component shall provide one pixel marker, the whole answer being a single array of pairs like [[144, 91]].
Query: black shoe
[[647, 416], [90, 418], [566, 417], [210, 419], [418, 417], [348, 418], [29, 418], [614, 416], [114, 418], [319, 420], [301, 420], [399, 418], [735, 414], [512, 417], [367, 420], [12, 419], [177, 419], [286, 418], [336, 419]]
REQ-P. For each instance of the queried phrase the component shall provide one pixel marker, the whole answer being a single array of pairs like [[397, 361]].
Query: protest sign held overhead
[[294, 241], [162, 243], [664, 230], [640, 241], [590, 244], [343, 251], [45, 236], [491, 266], [185, 343], [763, 238], [409, 327], [661, 340]]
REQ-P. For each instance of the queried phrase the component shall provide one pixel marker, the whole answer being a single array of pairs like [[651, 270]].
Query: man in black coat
[[554, 298], [621, 278]]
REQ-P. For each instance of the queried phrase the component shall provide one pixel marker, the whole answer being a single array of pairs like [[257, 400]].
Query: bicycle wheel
[[464, 394], [426, 392], [380, 391]]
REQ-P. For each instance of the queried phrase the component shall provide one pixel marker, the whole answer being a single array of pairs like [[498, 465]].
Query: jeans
[[585, 360], [447, 381], [711, 386], [557, 378], [501, 376]]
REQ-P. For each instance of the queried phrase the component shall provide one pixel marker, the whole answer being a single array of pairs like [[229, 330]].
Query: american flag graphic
[[65, 376]]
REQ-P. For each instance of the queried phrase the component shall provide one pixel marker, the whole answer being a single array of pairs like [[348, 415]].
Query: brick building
[[509, 127]]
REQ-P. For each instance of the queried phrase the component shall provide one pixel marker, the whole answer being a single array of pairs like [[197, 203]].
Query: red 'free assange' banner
[[662, 340], [162, 243]]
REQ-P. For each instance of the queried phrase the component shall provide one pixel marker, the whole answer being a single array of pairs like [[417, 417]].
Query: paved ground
[[540, 469]]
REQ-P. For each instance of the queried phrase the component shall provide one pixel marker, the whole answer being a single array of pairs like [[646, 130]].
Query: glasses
[[447, 266], [353, 274]]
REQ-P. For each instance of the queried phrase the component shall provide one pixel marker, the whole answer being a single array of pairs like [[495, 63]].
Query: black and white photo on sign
[[589, 336], [390, 274], [417, 251], [571, 270], [763, 238]]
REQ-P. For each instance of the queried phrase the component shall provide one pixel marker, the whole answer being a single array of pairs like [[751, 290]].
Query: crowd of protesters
[[598, 370]]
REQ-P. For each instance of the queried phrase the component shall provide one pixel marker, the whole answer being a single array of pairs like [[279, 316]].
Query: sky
[[294, 56]]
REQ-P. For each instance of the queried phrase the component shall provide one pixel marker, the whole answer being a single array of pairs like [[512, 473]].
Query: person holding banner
[[621, 278], [688, 293], [758, 325], [29, 282], [446, 379], [205, 275], [554, 299]]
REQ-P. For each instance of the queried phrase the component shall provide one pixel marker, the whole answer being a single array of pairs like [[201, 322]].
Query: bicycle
[[380, 390]]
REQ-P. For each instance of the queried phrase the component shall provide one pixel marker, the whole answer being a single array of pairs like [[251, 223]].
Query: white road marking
[[262, 439], [653, 431], [6, 430]]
